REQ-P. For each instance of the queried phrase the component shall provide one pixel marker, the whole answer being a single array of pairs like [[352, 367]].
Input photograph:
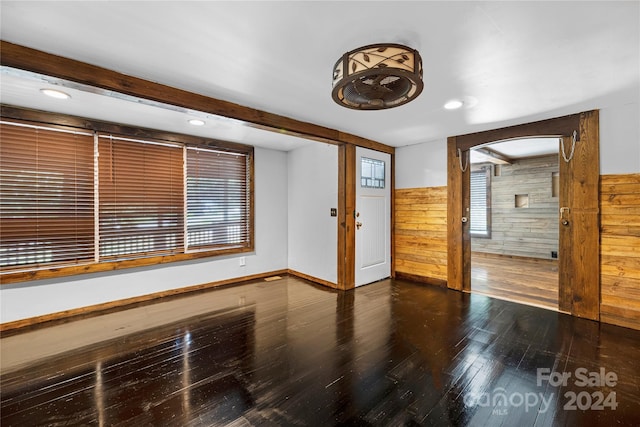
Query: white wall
[[29, 299], [620, 139], [421, 165], [313, 191], [425, 165]]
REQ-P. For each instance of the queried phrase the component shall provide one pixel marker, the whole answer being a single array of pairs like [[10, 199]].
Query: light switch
[[334, 212]]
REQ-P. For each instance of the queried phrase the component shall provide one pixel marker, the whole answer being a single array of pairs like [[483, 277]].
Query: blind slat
[[478, 202], [217, 199], [141, 198], [46, 182]]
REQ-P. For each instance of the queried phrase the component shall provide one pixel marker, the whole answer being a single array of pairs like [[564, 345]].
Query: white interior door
[[373, 216]]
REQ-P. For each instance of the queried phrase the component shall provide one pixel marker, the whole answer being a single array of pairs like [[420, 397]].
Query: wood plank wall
[[531, 231], [421, 234], [620, 250], [421, 242]]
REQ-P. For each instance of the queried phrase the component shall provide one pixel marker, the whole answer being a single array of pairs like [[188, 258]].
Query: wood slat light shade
[[47, 193], [141, 198]]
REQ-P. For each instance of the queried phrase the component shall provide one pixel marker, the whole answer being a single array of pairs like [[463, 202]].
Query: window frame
[[373, 164], [486, 169], [242, 204], [55, 120], [48, 195]]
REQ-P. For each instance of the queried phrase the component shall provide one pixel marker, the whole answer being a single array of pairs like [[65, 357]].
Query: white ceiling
[[515, 149], [511, 61], [526, 147], [23, 89]]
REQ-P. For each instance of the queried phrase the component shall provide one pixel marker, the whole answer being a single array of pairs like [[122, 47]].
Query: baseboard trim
[[312, 279], [21, 325], [490, 255], [421, 279], [97, 309]]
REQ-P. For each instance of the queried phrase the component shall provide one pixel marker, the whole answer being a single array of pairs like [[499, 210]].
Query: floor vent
[[272, 278]]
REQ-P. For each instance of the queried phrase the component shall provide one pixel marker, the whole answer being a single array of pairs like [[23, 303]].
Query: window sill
[[8, 276], [480, 235]]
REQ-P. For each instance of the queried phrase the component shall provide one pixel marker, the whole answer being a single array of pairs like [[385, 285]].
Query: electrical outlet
[[554, 254], [334, 212], [242, 261]]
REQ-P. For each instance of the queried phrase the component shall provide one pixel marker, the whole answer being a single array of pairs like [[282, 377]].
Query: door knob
[[564, 220], [358, 225]]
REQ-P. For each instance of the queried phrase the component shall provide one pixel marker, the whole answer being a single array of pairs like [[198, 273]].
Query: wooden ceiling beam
[[560, 126], [494, 157], [36, 61]]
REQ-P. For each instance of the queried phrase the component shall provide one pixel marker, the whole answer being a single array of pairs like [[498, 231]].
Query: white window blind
[[218, 199], [141, 198], [479, 217], [47, 194]]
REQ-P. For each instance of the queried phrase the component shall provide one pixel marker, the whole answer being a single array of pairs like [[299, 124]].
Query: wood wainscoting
[[421, 243], [620, 249], [421, 234]]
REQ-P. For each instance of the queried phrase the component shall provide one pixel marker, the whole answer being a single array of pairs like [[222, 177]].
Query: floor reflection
[[292, 353]]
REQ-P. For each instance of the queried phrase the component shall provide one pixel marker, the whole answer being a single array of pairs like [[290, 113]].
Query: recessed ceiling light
[[196, 122], [454, 104], [55, 93]]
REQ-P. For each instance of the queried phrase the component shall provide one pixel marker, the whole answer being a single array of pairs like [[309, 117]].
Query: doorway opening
[[579, 236], [513, 220]]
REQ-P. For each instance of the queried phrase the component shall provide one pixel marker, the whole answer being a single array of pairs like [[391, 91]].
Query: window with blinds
[[217, 199], [141, 198], [480, 204], [46, 196], [70, 196]]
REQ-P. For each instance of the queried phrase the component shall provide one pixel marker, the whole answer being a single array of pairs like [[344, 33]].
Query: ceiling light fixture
[[454, 104], [196, 122], [377, 76], [55, 93]]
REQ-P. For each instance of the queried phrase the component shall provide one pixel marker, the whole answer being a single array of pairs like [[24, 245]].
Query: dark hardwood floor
[[287, 352]]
